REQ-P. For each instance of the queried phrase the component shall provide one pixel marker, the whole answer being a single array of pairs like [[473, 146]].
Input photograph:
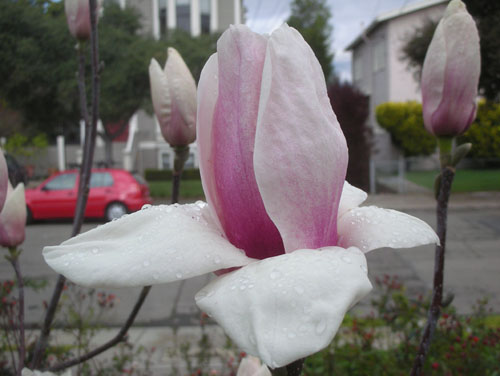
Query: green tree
[[487, 16], [37, 58], [311, 18]]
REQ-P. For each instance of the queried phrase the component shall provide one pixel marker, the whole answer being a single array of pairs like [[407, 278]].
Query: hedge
[[484, 133], [404, 122], [152, 174]]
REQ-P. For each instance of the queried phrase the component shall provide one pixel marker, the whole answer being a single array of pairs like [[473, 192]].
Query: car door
[[57, 197], [101, 185]]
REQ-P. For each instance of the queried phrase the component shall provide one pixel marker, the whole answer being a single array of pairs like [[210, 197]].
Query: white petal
[[370, 228], [287, 307], [351, 197], [155, 245], [160, 93]]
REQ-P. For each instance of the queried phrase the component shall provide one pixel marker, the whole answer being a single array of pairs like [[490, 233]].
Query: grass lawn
[[188, 189], [465, 180]]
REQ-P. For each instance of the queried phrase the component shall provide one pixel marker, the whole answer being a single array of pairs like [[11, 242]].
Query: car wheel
[[115, 210]]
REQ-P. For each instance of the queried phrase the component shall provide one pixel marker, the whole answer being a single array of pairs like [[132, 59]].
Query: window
[[379, 55], [183, 13], [165, 161], [205, 16], [190, 161], [162, 5], [64, 181], [101, 179], [358, 68]]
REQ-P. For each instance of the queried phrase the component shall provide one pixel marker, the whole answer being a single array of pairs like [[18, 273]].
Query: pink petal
[[451, 73], [300, 152], [13, 217], [238, 203]]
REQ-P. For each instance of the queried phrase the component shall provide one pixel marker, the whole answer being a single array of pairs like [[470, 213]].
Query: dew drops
[[95, 251], [66, 263], [363, 268], [320, 327], [291, 335], [146, 206], [178, 275], [275, 274], [146, 263], [217, 260], [346, 259], [299, 290]]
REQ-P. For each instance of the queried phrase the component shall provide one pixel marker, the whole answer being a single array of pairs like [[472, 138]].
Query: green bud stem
[[181, 156]]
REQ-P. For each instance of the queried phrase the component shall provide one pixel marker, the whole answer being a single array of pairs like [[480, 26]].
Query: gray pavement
[[472, 263]]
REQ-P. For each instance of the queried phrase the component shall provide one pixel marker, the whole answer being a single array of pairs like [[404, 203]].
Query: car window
[[101, 179], [65, 181], [139, 179]]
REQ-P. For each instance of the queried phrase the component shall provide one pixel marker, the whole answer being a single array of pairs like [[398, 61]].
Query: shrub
[[351, 108], [405, 123], [152, 174], [484, 133]]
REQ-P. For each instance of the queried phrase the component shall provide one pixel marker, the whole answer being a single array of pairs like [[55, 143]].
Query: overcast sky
[[349, 17]]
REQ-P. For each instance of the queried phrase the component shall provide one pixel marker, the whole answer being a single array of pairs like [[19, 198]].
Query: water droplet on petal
[[217, 260], [95, 251], [178, 275], [146, 206], [291, 335], [346, 259], [299, 290], [275, 274], [146, 263], [364, 268], [320, 327]]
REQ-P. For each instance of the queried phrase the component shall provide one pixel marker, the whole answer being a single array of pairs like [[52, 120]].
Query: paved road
[[472, 263]]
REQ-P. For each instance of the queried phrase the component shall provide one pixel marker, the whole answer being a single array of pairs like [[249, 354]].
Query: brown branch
[[20, 287], [85, 171], [115, 340], [448, 174]]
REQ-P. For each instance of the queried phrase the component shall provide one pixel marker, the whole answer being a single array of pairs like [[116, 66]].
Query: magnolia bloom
[[173, 92], [4, 180], [13, 217], [251, 366], [450, 73], [273, 161], [78, 18]]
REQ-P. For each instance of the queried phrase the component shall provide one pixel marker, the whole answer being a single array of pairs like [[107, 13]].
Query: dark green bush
[[152, 174], [405, 123], [484, 133]]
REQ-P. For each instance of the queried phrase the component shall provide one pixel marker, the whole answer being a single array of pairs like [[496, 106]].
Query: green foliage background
[[405, 123], [484, 133]]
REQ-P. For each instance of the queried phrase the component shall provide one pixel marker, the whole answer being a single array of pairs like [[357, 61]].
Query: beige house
[[377, 67]]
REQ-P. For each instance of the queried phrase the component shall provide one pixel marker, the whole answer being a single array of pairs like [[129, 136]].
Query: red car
[[113, 193]]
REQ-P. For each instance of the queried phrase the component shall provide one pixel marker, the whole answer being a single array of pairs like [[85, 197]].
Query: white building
[[377, 68], [145, 147]]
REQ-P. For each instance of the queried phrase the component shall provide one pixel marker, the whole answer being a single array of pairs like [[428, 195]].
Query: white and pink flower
[[173, 92], [273, 161]]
